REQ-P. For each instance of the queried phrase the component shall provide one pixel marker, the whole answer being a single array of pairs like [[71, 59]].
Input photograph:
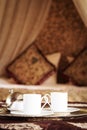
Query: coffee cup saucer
[[69, 110], [43, 113]]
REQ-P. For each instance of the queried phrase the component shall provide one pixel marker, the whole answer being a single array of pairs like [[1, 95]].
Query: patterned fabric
[[20, 126], [63, 31], [66, 123]]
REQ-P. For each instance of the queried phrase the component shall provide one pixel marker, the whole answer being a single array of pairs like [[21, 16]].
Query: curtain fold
[[20, 23], [81, 6]]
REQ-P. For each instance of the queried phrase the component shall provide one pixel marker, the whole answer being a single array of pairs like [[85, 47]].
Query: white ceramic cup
[[17, 106], [59, 101], [32, 104]]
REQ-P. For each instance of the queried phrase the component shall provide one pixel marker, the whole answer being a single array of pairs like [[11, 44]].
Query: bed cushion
[[77, 70], [31, 67]]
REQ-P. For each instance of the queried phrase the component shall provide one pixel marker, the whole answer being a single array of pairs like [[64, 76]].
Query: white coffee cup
[[32, 104], [59, 101], [17, 106]]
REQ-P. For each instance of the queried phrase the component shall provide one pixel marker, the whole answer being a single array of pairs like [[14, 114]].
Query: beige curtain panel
[[81, 6], [20, 23]]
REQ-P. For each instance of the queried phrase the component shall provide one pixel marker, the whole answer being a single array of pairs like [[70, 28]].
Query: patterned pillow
[[31, 67], [77, 70]]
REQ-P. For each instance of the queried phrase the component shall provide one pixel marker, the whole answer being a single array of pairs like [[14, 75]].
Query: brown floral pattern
[[63, 31]]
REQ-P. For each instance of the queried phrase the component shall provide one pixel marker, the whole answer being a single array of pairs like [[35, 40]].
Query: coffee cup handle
[[46, 99]]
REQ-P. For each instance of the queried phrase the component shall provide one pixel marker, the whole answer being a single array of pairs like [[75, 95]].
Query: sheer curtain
[[81, 6], [20, 23]]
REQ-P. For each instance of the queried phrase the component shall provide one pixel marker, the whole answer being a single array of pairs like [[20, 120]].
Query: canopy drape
[[81, 6], [20, 23]]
